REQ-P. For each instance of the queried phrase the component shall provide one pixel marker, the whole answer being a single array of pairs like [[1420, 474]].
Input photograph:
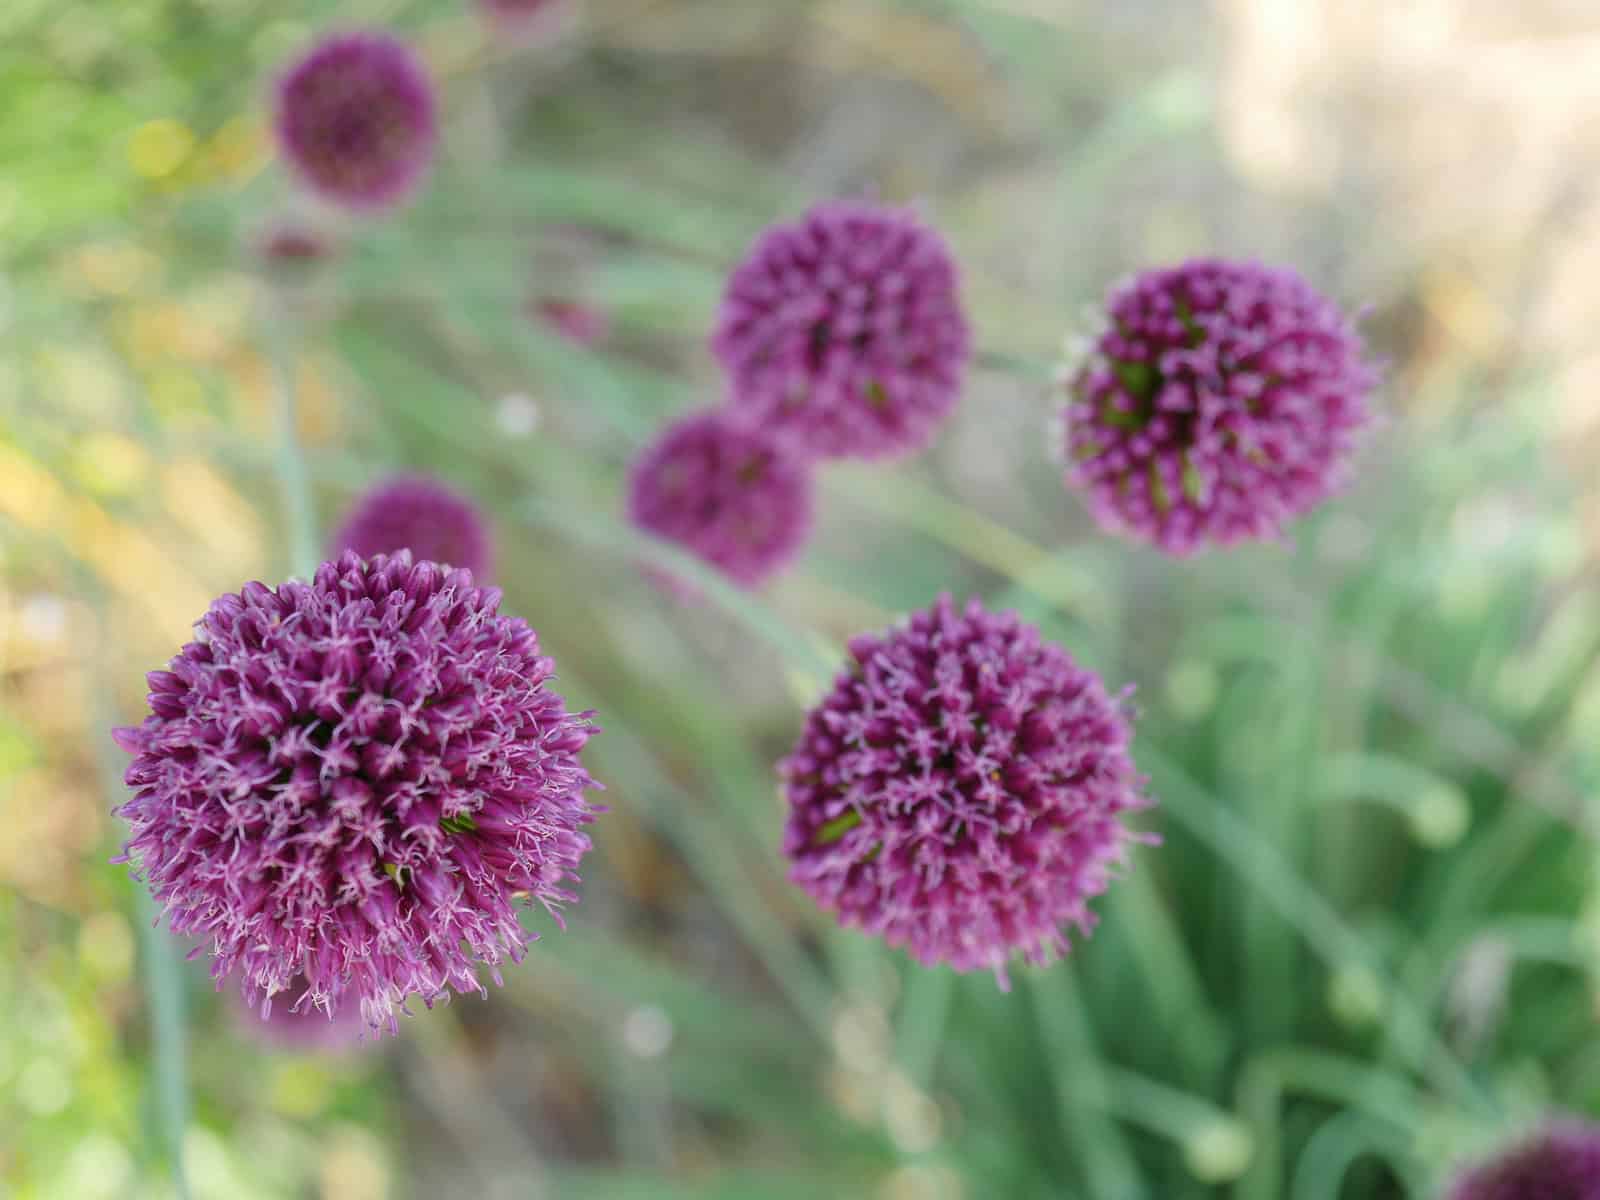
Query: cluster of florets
[[961, 790], [842, 336], [419, 514], [356, 120], [1219, 401], [726, 490], [845, 328], [355, 781]]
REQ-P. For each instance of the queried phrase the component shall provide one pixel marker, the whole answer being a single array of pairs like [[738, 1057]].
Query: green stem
[[1058, 582], [632, 764], [624, 539], [1174, 1114], [165, 994], [1031, 369], [923, 1014], [1156, 943], [1266, 1079], [1336, 1146], [1323, 929], [1080, 1085], [162, 981], [291, 466]]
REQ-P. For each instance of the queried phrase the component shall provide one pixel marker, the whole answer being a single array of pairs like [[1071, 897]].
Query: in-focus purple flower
[[581, 324], [732, 493], [356, 780], [846, 329], [1560, 1163], [1220, 401], [303, 1027], [961, 790], [413, 512], [356, 120]]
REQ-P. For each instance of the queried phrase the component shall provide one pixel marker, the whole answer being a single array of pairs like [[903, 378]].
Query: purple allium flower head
[[1560, 1163], [413, 512], [845, 327], [1221, 400], [355, 119], [732, 493], [355, 780], [306, 1027], [961, 790]]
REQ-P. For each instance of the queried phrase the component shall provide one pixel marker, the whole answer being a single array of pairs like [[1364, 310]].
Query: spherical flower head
[[413, 512], [845, 327], [1220, 401], [961, 790], [356, 120], [1560, 1163], [356, 780], [732, 493]]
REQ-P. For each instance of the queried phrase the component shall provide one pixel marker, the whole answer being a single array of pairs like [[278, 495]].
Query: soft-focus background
[[1370, 943]]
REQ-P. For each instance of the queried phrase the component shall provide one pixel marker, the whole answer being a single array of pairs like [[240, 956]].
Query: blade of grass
[[1324, 931], [1075, 1065], [924, 1009], [1265, 1080], [299, 514], [625, 541]]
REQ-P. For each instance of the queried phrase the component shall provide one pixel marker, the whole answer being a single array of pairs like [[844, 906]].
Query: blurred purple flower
[[731, 493], [845, 328], [515, 12], [581, 324], [1220, 401], [416, 513], [355, 120], [304, 1027], [1561, 1163], [960, 790], [355, 780]]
